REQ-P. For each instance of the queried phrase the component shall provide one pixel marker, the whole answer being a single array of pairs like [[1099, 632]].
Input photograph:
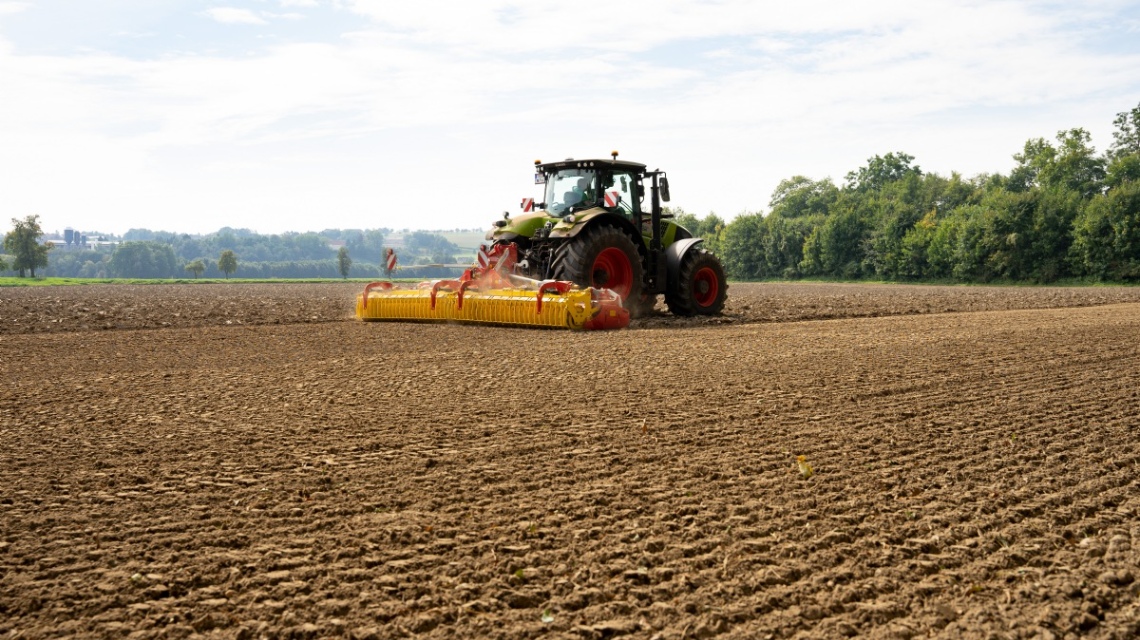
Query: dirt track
[[974, 473]]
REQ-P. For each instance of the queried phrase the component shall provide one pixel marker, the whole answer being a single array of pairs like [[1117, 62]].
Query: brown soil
[[974, 473], [105, 307]]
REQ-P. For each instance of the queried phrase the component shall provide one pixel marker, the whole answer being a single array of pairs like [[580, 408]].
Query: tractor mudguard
[[565, 229], [675, 255]]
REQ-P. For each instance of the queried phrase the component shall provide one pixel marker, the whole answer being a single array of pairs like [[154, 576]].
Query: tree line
[[1064, 211], [142, 253]]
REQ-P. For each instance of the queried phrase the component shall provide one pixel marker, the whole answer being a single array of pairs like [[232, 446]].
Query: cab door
[[620, 195]]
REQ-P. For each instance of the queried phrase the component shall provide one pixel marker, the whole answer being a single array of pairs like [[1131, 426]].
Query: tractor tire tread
[[681, 299], [574, 259]]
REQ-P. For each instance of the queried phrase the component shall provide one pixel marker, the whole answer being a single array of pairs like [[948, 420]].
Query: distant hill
[[164, 254]]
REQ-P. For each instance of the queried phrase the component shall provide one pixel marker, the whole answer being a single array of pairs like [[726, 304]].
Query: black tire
[[597, 255], [701, 287]]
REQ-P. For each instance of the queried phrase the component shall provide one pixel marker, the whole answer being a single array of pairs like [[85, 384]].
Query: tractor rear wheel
[[701, 287], [604, 258]]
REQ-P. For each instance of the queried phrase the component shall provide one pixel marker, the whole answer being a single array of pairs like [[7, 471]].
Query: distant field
[[468, 240]]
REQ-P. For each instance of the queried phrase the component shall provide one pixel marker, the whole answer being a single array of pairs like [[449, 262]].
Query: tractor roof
[[591, 163]]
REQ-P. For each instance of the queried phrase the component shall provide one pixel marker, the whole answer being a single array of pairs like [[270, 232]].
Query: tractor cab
[[577, 185]]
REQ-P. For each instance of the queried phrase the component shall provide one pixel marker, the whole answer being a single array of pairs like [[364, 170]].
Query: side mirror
[[664, 189]]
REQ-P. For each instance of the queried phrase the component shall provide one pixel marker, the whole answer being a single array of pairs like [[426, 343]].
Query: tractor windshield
[[570, 188]]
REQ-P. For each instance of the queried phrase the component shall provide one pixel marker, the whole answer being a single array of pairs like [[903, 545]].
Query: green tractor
[[592, 229]]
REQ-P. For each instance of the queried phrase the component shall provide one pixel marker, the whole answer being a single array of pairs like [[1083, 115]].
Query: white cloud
[[300, 3], [730, 97], [230, 15], [13, 7]]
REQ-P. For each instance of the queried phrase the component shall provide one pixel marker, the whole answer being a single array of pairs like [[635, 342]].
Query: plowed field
[[264, 466]]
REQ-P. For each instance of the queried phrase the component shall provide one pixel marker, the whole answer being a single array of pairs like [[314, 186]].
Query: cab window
[[624, 186], [568, 189]]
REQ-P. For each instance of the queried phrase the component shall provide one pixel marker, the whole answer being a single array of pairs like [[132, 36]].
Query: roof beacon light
[[614, 154]]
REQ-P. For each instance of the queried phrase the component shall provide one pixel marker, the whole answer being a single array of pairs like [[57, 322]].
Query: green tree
[[143, 259], [784, 243], [196, 267], [742, 249], [973, 237], [1124, 155], [1073, 164], [681, 217], [889, 213], [432, 244], [365, 243], [836, 248], [915, 260], [1106, 240], [1125, 168], [881, 171], [1006, 234], [799, 196], [772, 246], [440, 258], [1126, 138], [92, 269], [1051, 233], [227, 262], [1077, 167], [73, 263], [343, 262], [1034, 157], [310, 246], [3, 265], [945, 195], [710, 228], [22, 242], [943, 245]]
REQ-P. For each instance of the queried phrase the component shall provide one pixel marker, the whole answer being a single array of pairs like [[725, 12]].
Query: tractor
[[592, 228]]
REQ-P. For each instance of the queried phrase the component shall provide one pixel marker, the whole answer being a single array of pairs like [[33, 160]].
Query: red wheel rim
[[612, 270], [706, 286]]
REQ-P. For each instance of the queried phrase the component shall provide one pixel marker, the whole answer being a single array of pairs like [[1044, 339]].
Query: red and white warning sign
[[612, 198], [527, 205], [481, 258], [390, 259]]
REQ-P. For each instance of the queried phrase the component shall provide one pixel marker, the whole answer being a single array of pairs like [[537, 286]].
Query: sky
[[298, 115]]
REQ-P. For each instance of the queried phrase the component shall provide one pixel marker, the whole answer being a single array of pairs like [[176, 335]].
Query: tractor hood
[[528, 224], [524, 225]]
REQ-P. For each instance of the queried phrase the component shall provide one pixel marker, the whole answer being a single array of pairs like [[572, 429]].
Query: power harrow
[[491, 292]]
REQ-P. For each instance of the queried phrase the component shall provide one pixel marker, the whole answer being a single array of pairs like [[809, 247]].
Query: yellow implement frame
[[570, 309]]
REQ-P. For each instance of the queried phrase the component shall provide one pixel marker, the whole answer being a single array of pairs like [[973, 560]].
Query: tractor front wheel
[[701, 287], [603, 258]]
